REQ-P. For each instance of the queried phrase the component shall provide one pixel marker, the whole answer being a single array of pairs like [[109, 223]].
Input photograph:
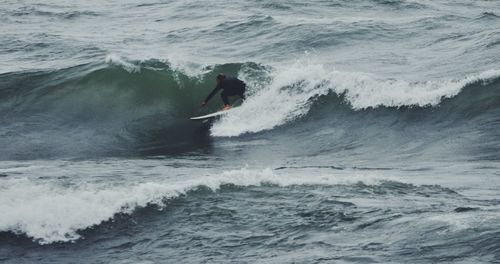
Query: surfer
[[231, 87]]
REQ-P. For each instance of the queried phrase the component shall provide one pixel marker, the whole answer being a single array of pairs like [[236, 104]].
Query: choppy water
[[370, 133]]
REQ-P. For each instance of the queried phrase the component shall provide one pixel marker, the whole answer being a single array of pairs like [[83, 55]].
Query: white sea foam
[[287, 97], [51, 212], [466, 220], [292, 89], [175, 61], [117, 60]]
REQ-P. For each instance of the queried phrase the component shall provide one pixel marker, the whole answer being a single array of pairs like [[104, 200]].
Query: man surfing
[[231, 87]]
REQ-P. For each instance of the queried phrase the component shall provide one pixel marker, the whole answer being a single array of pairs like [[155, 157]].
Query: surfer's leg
[[225, 98]]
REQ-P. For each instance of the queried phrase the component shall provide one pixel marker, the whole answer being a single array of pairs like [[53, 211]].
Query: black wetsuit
[[231, 87]]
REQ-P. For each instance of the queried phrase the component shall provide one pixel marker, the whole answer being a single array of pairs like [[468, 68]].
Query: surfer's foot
[[226, 107]]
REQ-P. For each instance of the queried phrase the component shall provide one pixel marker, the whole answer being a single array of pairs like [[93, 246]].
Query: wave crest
[[50, 212], [143, 107], [292, 91]]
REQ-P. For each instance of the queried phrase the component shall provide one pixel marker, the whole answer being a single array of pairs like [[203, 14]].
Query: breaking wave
[[122, 107], [51, 212]]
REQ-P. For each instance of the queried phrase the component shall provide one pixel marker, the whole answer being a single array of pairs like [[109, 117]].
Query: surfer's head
[[220, 77]]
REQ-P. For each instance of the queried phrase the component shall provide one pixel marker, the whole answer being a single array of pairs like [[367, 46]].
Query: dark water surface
[[370, 133]]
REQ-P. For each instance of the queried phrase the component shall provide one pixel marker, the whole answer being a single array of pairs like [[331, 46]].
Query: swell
[[50, 211], [123, 108], [463, 127], [48, 11], [54, 213], [117, 108]]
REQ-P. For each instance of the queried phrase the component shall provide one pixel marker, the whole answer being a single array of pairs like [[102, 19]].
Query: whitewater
[[370, 132]]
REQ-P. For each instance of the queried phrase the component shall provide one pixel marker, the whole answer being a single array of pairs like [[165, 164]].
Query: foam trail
[[289, 95], [50, 212]]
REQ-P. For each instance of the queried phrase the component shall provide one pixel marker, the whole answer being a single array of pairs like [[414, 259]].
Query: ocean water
[[371, 132]]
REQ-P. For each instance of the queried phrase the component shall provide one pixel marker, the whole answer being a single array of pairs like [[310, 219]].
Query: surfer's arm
[[215, 90]]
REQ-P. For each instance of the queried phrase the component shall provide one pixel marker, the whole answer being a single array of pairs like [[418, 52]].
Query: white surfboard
[[212, 115]]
